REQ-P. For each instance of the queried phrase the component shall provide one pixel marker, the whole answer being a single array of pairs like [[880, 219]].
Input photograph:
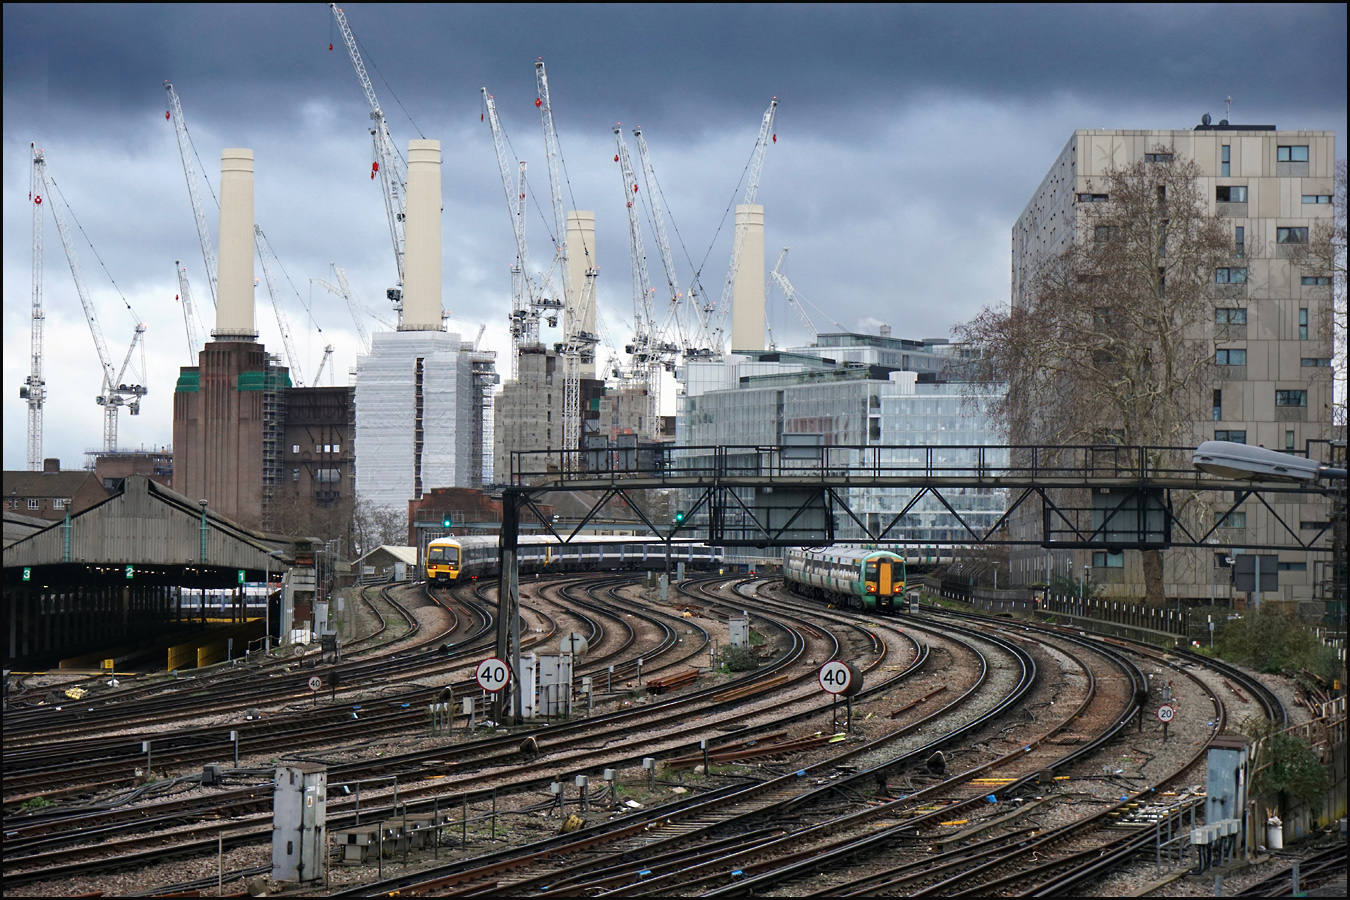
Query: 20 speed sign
[[837, 677], [492, 675], [1166, 713]]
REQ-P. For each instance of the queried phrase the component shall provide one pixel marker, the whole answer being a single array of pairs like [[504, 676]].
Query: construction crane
[[189, 312], [116, 393], [187, 152], [527, 300], [718, 315], [273, 291], [578, 345], [327, 355], [388, 165], [648, 350], [34, 389], [794, 299], [343, 289], [695, 335]]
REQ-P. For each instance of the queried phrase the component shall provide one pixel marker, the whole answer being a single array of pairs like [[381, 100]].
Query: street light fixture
[[1229, 460]]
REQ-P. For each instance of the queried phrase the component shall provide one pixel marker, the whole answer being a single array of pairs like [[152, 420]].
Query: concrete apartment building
[[1271, 383]]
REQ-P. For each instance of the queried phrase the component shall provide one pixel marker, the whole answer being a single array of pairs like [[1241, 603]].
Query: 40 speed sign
[[493, 675], [840, 678]]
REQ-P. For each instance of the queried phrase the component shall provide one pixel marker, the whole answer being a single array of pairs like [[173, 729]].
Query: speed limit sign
[[492, 675], [1166, 713], [315, 682], [837, 677]]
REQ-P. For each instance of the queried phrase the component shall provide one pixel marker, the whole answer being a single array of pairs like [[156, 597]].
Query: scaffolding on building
[[485, 380], [275, 383]]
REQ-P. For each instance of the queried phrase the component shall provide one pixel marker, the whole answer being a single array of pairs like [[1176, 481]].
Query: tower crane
[[388, 165], [187, 152], [116, 393], [696, 335], [343, 289], [265, 254], [718, 315], [794, 299], [189, 312], [527, 300], [578, 345], [34, 389], [649, 352], [327, 355]]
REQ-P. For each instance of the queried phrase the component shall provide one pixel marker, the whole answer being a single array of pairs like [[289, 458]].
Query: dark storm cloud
[[701, 63]]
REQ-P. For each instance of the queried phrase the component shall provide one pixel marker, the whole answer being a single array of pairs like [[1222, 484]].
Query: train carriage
[[859, 577], [450, 559]]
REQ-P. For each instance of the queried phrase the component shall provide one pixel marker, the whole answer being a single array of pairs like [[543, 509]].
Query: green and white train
[[859, 577]]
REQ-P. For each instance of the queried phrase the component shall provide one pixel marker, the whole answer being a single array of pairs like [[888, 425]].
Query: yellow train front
[[448, 559]]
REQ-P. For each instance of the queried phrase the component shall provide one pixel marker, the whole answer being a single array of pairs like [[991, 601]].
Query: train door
[[884, 588]]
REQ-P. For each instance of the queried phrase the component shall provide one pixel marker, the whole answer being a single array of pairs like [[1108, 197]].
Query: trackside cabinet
[[299, 822]]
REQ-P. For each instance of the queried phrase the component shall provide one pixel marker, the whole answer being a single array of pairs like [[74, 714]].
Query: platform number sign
[[836, 677], [241, 576], [493, 675], [1166, 713], [131, 571], [27, 573]]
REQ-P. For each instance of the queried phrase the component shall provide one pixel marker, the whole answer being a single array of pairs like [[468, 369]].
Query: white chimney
[[234, 278], [747, 295], [580, 257], [422, 239]]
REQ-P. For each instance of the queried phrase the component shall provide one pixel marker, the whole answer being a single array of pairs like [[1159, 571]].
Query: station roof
[[152, 528]]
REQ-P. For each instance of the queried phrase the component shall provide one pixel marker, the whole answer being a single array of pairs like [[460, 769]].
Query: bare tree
[[1114, 341], [374, 526]]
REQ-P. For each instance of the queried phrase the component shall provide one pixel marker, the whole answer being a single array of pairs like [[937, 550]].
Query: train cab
[[443, 561], [879, 581]]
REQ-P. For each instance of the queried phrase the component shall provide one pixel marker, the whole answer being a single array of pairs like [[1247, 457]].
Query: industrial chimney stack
[[234, 288], [747, 295], [422, 237], [580, 257]]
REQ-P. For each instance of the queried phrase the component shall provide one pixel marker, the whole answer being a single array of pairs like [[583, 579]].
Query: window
[[1227, 157], [1291, 235], [1230, 275], [337, 448], [1303, 324], [327, 448], [1103, 317], [327, 476], [1305, 525], [1093, 198], [1158, 157], [1291, 398], [1314, 362], [32, 504], [1218, 405], [295, 449], [1105, 559], [318, 448], [1104, 233], [1289, 440], [1316, 198], [1230, 357], [295, 474], [1295, 153], [1292, 567], [1315, 280], [1231, 193], [1237, 519], [1232, 437], [1230, 316], [1239, 242], [60, 503]]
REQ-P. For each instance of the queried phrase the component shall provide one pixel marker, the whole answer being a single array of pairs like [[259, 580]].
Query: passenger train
[[450, 559], [860, 577]]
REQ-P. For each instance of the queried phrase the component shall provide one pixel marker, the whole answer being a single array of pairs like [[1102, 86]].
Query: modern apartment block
[[1271, 382]]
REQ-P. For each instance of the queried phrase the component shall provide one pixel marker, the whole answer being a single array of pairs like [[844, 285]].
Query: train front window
[[870, 571], [443, 555]]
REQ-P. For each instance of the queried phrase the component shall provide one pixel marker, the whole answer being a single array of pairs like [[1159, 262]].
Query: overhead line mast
[[388, 165], [34, 390]]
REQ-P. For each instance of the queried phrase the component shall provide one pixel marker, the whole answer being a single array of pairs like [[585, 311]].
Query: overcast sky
[[909, 140]]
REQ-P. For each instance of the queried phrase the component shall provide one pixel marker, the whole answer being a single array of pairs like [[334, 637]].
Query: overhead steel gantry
[[1085, 497]]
